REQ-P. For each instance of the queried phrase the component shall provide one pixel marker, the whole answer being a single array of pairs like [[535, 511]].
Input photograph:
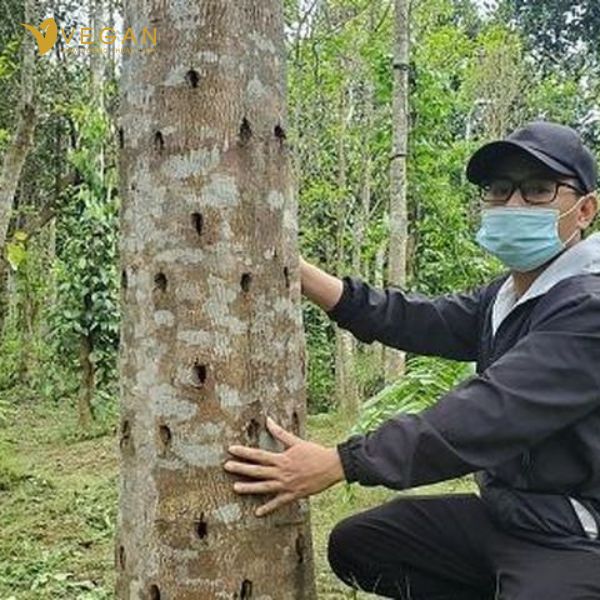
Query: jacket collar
[[582, 257]]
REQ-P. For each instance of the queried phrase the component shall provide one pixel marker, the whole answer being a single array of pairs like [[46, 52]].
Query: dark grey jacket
[[527, 423]]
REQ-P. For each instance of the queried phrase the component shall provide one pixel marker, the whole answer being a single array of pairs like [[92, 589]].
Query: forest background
[[476, 71]]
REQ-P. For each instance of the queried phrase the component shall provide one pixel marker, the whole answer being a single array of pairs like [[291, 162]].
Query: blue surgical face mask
[[522, 238]]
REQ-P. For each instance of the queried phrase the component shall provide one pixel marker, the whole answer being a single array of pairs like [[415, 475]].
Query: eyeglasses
[[533, 191]]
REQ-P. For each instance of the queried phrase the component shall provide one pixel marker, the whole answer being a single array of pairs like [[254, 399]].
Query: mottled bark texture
[[22, 139], [346, 389], [212, 335], [394, 359]]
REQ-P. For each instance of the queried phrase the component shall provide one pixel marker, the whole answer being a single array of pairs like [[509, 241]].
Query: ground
[[58, 504]]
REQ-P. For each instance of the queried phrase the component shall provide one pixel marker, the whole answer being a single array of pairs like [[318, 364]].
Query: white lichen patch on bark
[[216, 306], [269, 253], [275, 199], [207, 56], [219, 342], [183, 14], [196, 337], [164, 318], [228, 397], [221, 191], [195, 162], [255, 90], [263, 43], [187, 256], [294, 383], [283, 306], [136, 125], [227, 513], [198, 455], [141, 94], [202, 445], [165, 403], [290, 223], [208, 429]]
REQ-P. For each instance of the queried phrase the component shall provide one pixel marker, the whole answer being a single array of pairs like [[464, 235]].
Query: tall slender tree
[[20, 145], [394, 359], [212, 337]]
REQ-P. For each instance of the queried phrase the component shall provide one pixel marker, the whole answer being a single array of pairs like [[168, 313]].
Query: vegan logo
[[46, 36], [47, 40]]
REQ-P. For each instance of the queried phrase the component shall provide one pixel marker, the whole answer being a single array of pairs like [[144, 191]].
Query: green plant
[[425, 381]]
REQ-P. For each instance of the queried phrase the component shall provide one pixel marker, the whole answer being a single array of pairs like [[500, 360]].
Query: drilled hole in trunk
[[246, 590], [197, 222], [198, 374], [154, 592], [252, 431], [300, 545], [245, 281], [286, 276], [159, 142], [160, 280], [125, 433], [124, 279], [121, 138], [164, 433], [201, 527], [245, 131], [122, 558], [279, 132], [192, 78], [295, 423]]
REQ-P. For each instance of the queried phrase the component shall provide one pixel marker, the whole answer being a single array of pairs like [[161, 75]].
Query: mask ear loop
[[560, 216]]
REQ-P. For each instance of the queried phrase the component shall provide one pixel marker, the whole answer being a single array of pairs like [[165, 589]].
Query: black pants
[[446, 547]]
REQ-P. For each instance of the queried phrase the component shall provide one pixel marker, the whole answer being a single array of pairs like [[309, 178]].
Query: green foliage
[[470, 80], [86, 269], [426, 381], [105, 419], [58, 507], [10, 346], [11, 473], [319, 360], [9, 58]]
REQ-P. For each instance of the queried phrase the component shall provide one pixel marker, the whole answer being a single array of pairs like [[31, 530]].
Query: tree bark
[[97, 60], [394, 359], [346, 390], [22, 140], [87, 383], [211, 336]]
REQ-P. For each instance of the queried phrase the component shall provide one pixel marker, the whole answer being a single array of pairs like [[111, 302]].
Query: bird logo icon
[[47, 40]]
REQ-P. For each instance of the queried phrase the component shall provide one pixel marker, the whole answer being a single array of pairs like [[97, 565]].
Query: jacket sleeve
[[446, 326], [546, 382]]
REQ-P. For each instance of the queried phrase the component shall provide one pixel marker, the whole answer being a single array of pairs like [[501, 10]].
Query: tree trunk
[[87, 383], [394, 359], [22, 140], [346, 389], [97, 66], [212, 338], [97, 60], [4, 298], [377, 348]]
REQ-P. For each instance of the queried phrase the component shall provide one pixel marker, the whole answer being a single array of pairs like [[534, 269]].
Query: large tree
[[212, 337]]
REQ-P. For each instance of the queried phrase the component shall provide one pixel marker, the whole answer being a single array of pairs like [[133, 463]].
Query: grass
[[58, 501]]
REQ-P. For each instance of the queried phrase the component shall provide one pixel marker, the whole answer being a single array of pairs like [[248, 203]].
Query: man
[[527, 424]]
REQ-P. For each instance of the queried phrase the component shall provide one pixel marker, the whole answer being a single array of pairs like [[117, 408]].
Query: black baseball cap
[[558, 147]]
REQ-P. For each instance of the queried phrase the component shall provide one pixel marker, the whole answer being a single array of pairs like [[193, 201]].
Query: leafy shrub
[[425, 381]]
